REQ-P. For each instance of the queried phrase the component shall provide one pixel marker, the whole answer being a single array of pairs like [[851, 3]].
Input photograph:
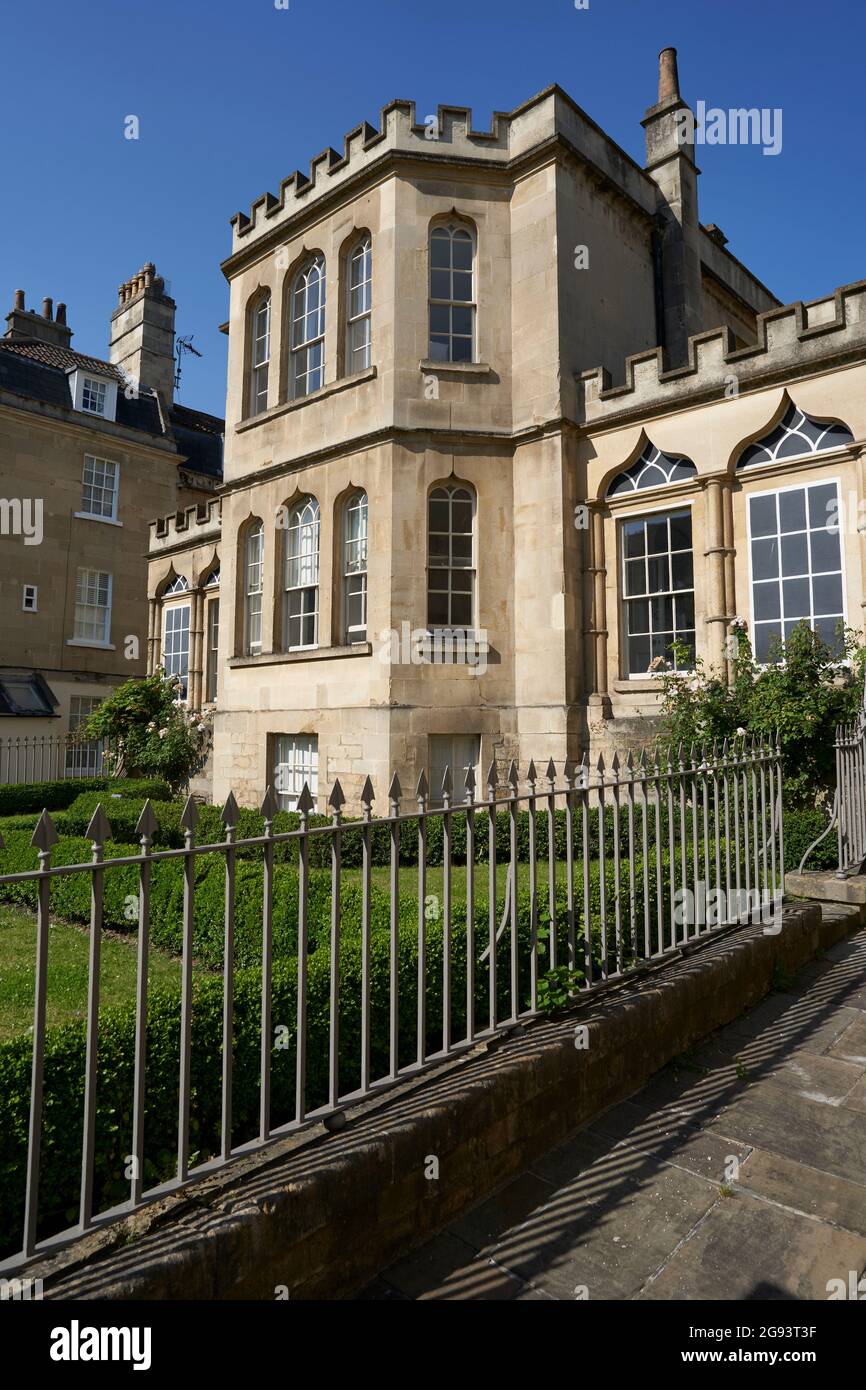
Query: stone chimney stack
[[23, 323], [142, 332], [670, 161]]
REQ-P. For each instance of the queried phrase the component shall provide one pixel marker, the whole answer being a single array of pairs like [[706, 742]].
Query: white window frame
[[173, 663], [104, 641], [359, 324], [469, 628], [296, 761], [302, 571], [303, 343], [450, 303], [748, 494], [253, 575], [661, 508], [77, 377], [458, 773], [83, 759], [29, 592], [85, 515], [260, 354], [212, 647], [354, 567]]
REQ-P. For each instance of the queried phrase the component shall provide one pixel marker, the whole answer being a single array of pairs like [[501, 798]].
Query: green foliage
[[149, 731], [801, 696], [65, 1046], [35, 797], [803, 825]]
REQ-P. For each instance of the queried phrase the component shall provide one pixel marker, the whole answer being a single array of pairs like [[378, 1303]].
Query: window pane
[[823, 504], [825, 550], [795, 598], [658, 576], [827, 594], [635, 577], [462, 286], [795, 555], [440, 284], [792, 511], [681, 531], [638, 655], [639, 616], [766, 634], [440, 248], [684, 611], [765, 559], [762, 515], [462, 251], [768, 603], [662, 610], [634, 538], [657, 536], [683, 570]]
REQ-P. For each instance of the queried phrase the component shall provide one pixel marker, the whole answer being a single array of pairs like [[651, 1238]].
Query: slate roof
[[40, 371]]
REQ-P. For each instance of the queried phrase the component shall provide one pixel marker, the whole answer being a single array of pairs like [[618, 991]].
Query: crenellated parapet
[[195, 525], [790, 340], [450, 133]]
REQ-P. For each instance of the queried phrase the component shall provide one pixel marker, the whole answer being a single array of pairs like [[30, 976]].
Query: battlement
[[193, 525], [791, 337], [450, 134]]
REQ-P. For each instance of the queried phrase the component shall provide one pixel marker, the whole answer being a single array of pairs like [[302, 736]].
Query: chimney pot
[[669, 79], [19, 299], [47, 308], [60, 316]]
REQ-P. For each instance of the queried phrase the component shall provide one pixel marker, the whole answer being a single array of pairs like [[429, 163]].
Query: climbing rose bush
[[802, 694], [150, 731]]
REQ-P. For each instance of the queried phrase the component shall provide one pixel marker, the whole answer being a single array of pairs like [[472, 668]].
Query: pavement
[[738, 1172]]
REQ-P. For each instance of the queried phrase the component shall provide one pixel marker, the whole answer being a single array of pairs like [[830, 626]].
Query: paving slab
[[803, 1189], [737, 1172], [749, 1249]]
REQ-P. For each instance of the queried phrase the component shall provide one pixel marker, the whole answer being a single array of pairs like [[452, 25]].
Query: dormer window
[[93, 395]]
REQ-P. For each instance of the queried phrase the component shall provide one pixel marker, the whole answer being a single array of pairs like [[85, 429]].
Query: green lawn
[[68, 948]]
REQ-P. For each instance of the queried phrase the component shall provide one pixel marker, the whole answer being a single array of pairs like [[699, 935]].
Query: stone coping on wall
[[319, 1215]]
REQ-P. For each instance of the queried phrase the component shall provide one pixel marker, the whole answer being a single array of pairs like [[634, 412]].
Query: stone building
[[90, 450], [434, 498]]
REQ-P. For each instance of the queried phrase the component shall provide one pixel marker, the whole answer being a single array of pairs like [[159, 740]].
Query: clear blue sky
[[232, 97]]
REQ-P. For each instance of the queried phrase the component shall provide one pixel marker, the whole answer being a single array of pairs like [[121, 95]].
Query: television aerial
[[181, 346]]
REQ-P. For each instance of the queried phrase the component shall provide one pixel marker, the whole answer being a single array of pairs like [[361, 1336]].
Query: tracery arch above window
[[796, 436], [652, 469], [213, 577], [177, 586]]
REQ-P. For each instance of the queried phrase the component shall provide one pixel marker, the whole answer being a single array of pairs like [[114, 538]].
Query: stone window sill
[[306, 654], [455, 368], [85, 642], [641, 685], [343, 383]]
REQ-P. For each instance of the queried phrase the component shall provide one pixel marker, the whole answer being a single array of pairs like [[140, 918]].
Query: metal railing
[[851, 794], [849, 802], [48, 758], [582, 877]]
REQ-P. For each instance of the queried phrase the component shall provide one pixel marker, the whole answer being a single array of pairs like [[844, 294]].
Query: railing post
[[230, 820], [188, 821], [145, 830], [337, 801], [97, 832], [469, 801], [304, 807], [395, 792], [367, 797], [421, 797], [44, 837]]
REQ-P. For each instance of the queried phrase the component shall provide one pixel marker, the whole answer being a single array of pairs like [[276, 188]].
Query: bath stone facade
[[90, 451], [414, 449]]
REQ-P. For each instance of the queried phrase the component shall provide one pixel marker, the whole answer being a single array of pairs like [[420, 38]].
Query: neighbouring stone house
[[444, 535], [90, 450]]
